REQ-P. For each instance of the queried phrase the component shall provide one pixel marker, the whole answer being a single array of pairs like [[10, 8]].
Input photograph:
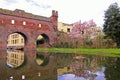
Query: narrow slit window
[[24, 23], [39, 25], [12, 21]]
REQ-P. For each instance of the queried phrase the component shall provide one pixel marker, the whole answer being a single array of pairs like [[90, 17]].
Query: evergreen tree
[[112, 23]]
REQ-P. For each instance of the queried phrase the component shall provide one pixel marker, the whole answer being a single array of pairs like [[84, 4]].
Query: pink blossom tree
[[81, 30]]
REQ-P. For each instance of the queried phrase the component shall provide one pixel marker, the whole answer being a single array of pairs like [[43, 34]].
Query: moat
[[33, 65]]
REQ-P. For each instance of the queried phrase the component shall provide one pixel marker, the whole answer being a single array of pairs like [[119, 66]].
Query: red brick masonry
[[28, 25]]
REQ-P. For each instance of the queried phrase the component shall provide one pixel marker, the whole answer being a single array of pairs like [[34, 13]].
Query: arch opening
[[42, 41], [16, 41]]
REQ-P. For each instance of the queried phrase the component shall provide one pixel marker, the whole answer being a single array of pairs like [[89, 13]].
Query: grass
[[105, 52]]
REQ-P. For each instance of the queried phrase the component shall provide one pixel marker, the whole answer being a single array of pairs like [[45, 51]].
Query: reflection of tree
[[113, 70], [88, 66], [84, 68]]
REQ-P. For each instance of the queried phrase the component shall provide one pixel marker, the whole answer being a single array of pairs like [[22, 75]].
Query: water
[[88, 67], [32, 65]]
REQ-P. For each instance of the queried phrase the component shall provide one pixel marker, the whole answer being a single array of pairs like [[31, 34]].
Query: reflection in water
[[86, 68], [113, 72], [15, 58], [24, 67], [98, 75], [42, 59], [43, 66], [80, 69]]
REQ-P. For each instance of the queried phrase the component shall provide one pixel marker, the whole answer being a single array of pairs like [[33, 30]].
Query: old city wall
[[27, 24]]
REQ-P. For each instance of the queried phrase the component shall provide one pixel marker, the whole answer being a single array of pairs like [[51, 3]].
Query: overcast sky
[[69, 11]]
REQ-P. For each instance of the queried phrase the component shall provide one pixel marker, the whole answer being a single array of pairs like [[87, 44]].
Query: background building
[[67, 28], [15, 40]]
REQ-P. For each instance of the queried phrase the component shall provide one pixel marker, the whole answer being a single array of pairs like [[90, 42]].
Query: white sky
[[69, 11]]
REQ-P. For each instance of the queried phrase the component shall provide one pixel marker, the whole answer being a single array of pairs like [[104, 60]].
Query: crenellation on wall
[[23, 14], [5, 11], [54, 19], [54, 13]]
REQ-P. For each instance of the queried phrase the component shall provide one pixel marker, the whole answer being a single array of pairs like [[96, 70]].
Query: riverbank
[[105, 52]]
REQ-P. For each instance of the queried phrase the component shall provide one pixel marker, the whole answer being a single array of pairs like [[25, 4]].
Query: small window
[[68, 29], [39, 25], [12, 21], [24, 23]]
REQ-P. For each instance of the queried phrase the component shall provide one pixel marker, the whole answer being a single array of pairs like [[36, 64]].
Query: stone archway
[[28, 24]]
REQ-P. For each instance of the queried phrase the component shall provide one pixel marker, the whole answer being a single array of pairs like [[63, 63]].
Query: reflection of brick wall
[[27, 24], [30, 68]]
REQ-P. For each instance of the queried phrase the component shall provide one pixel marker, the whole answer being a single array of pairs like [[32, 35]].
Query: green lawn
[[105, 52]]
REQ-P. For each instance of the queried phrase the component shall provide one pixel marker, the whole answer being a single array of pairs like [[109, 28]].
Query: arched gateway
[[28, 25]]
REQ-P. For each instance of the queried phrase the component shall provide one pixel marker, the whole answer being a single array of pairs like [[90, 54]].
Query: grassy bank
[[104, 52]]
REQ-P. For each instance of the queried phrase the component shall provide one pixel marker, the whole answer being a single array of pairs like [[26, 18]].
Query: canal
[[33, 65]]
